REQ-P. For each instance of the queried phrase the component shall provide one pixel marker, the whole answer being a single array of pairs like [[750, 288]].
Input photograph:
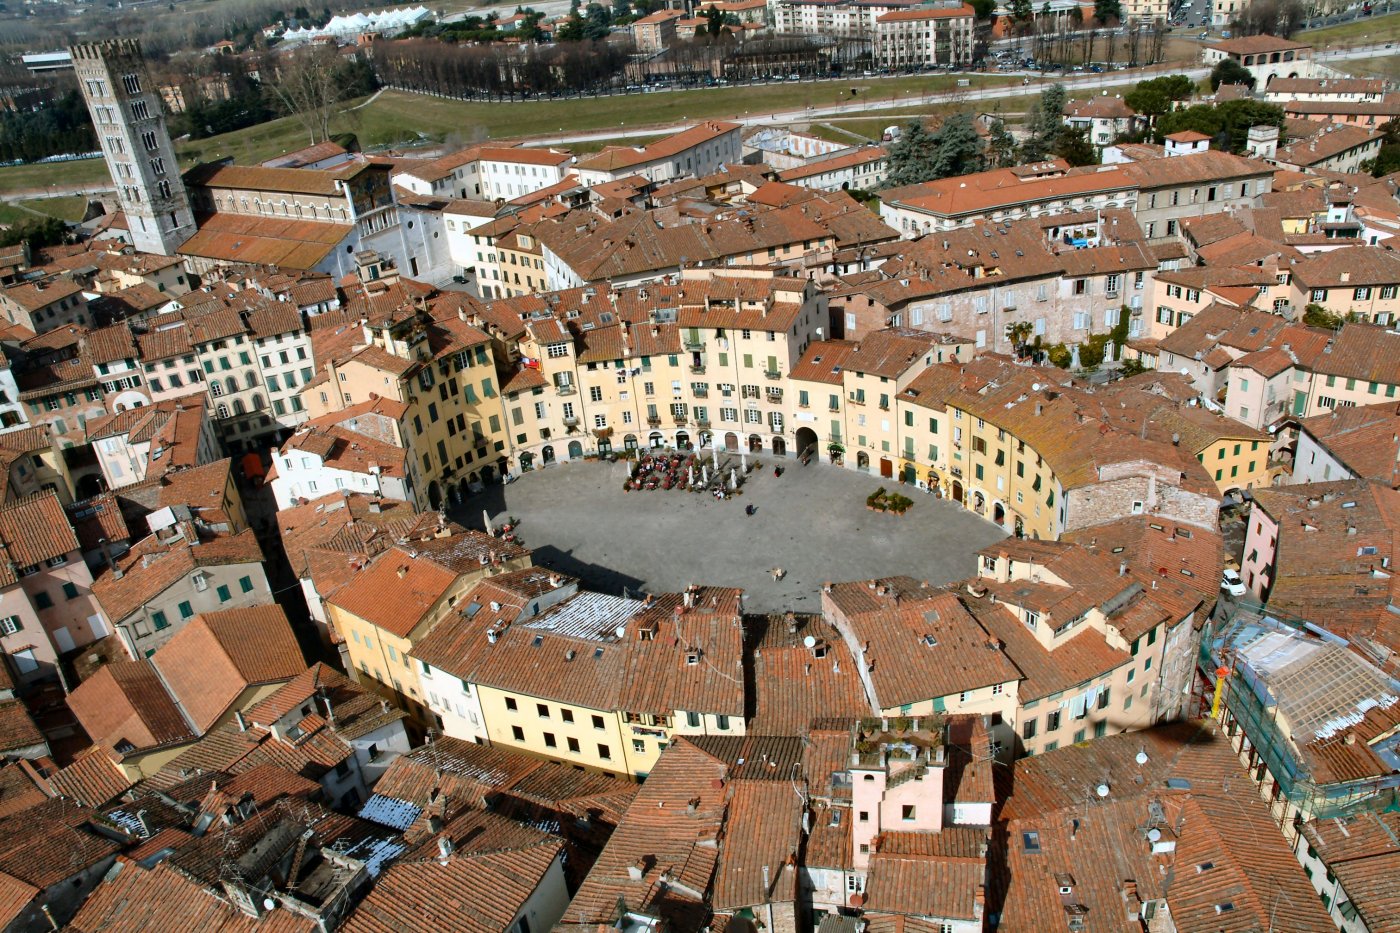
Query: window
[[511, 705], [517, 733], [1028, 728], [1052, 721], [245, 584], [639, 746], [158, 620], [224, 594], [549, 740], [542, 710], [692, 720], [572, 743], [566, 714], [907, 812], [186, 610], [598, 722], [10, 625], [70, 591], [42, 600], [722, 723], [604, 752]]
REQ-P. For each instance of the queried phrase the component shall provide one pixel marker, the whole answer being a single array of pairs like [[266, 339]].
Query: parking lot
[[811, 522]]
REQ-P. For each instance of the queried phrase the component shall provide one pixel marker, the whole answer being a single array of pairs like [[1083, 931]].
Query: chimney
[[444, 849], [403, 571], [1122, 568], [637, 869], [330, 711], [242, 723]]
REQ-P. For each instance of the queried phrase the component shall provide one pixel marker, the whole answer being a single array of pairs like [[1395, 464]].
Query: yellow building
[[1234, 454], [597, 681], [816, 399], [443, 369], [395, 601]]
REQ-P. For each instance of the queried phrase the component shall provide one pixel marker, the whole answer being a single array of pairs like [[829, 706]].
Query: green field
[[70, 208], [1362, 31]]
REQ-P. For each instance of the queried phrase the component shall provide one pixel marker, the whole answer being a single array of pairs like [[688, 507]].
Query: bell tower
[[126, 112]]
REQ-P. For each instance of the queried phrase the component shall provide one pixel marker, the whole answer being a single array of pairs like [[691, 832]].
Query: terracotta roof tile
[[217, 655], [125, 707]]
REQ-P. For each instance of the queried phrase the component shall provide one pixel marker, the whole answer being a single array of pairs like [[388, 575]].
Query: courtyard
[[811, 522]]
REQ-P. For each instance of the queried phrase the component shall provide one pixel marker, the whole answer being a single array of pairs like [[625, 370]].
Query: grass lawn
[[10, 215], [397, 117], [69, 208], [836, 134], [598, 145], [85, 172], [1358, 32]]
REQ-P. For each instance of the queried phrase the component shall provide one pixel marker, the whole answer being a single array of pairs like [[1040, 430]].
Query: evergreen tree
[[958, 148], [912, 157], [1230, 71], [1108, 11], [1044, 123], [1001, 146], [1074, 147], [714, 21]]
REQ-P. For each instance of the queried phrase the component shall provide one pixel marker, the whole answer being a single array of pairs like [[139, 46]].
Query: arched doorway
[[1020, 527], [575, 450], [863, 461], [957, 491], [604, 447], [488, 474], [527, 461], [547, 454], [452, 497], [779, 447], [629, 443], [755, 444], [656, 440], [886, 468], [682, 440], [731, 441], [434, 495], [998, 513], [979, 503], [911, 475], [464, 489], [705, 439], [806, 441]]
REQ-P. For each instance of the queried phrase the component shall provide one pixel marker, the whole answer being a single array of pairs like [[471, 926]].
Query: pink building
[[46, 602]]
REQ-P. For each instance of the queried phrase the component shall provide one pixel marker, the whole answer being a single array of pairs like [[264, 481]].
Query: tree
[[597, 22], [1044, 122], [919, 156], [1315, 315], [48, 231], [983, 9], [912, 157], [1108, 11], [1227, 124], [1155, 97], [308, 88], [1001, 145], [1230, 71], [1022, 12], [714, 21], [1074, 147], [1387, 160], [1019, 333]]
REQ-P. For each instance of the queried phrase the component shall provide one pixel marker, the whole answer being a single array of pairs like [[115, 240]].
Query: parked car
[[1231, 583]]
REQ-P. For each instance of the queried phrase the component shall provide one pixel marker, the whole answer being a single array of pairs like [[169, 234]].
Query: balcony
[[564, 390], [570, 422], [700, 393], [1008, 309], [834, 409], [698, 370], [679, 419], [773, 374], [693, 345], [654, 422], [702, 423]]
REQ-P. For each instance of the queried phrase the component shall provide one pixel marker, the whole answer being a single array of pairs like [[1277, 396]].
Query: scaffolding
[[1255, 709]]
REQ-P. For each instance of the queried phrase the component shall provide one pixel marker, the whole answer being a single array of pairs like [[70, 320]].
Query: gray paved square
[[812, 522]]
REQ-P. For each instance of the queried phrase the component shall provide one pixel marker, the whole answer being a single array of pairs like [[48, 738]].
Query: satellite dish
[[810, 641], [1154, 834], [269, 904], [1035, 387], [1101, 790], [1141, 758]]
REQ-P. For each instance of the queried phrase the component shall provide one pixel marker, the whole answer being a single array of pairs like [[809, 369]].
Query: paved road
[[811, 521]]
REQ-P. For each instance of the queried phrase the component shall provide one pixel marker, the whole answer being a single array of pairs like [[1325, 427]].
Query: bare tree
[[306, 86]]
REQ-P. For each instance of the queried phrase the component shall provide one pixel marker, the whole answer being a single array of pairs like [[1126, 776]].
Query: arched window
[[257, 402], [252, 379], [216, 388], [231, 384], [238, 406], [222, 410]]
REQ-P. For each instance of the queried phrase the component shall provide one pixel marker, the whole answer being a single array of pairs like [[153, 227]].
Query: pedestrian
[[749, 510]]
